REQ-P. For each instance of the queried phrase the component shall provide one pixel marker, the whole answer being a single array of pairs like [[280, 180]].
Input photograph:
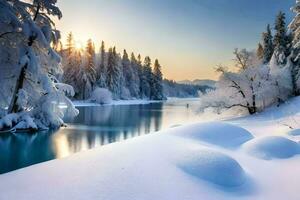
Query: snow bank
[[218, 133], [294, 132], [214, 167], [272, 147]]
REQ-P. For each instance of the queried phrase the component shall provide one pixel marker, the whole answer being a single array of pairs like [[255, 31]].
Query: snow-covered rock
[[214, 167], [218, 133], [271, 147]]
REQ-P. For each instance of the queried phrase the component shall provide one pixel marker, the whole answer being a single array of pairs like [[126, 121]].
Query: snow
[[213, 166], [218, 133], [272, 147], [101, 96], [294, 132], [174, 164]]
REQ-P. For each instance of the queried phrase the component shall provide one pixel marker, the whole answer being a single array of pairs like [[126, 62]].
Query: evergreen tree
[[70, 46], [281, 39], [101, 70], [295, 43], [90, 68], [113, 73], [127, 71], [268, 47], [135, 85], [260, 52], [146, 78], [157, 87]]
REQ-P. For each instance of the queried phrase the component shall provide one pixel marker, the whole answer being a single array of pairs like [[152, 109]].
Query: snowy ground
[[253, 158]]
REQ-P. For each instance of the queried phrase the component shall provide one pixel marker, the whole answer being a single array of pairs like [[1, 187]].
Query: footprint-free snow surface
[[218, 133], [213, 166], [272, 147], [182, 163]]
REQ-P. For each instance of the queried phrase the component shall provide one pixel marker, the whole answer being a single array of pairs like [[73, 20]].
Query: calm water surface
[[93, 127]]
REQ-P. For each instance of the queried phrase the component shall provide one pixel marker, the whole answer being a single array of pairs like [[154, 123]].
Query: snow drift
[[271, 147], [219, 133], [214, 167], [294, 132]]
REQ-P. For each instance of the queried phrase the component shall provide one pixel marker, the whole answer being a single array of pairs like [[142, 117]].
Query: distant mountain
[[201, 82]]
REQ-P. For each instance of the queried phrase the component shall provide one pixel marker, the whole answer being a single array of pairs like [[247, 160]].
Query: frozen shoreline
[[130, 102], [119, 102], [195, 161]]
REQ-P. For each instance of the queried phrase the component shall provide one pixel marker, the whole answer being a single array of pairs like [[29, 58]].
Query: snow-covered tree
[[113, 73], [90, 64], [281, 40], [135, 84], [260, 52], [156, 86], [32, 93], [70, 47], [101, 69], [127, 71], [253, 88], [268, 47], [146, 78], [294, 28]]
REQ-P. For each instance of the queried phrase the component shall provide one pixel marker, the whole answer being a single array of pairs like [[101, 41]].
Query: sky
[[188, 37]]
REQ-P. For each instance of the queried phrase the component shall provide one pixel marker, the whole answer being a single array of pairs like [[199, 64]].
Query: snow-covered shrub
[[101, 96]]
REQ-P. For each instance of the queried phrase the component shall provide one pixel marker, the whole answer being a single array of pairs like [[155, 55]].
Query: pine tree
[[101, 70], [70, 46], [135, 84], [156, 86], [90, 68], [147, 77], [268, 47], [295, 43], [280, 39], [260, 52], [113, 73]]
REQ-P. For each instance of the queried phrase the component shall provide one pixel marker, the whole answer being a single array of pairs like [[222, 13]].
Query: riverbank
[[131, 102], [114, 102], [254, 157]]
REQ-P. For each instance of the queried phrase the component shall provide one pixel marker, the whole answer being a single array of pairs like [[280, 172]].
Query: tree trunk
[[14, 107]]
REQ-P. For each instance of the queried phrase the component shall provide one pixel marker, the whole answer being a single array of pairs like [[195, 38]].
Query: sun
[[78, 44]]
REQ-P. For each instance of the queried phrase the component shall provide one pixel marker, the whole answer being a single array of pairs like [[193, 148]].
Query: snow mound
[[272, 147], [214, 167], [294, 132], [219, 133]]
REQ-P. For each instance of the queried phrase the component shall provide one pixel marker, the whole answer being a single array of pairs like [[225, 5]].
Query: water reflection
[[95, 126]]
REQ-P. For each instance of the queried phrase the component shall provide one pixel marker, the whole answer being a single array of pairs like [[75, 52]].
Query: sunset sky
[[189, 37]]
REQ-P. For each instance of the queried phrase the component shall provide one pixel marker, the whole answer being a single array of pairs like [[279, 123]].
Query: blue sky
[[189, 37]]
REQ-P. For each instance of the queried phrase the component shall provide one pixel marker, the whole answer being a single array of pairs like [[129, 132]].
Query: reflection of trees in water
[[95, 126], [22, 149], [108, 124]]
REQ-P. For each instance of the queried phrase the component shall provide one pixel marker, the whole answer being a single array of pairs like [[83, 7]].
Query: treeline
[[127, 77], [268, 76], [174, 89]]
